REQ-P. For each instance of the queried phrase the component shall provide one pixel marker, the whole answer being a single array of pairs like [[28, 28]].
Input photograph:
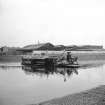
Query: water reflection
[[65, 72], [29, 84]]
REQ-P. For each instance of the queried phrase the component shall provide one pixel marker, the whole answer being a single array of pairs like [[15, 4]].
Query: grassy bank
[[95, 96]]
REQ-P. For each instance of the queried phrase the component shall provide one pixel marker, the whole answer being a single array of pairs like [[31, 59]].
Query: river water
[[25, 85]]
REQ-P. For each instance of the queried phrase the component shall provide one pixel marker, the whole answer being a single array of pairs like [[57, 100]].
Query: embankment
[[10, 58], [90, 56], [82, 56], [95, 96]]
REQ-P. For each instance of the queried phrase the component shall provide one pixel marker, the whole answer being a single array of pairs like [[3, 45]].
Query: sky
[[68, 22]]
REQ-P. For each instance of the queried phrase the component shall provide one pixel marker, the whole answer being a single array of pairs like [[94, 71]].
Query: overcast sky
[[65, 22]]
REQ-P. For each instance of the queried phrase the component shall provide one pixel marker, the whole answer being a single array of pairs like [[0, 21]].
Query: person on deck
[[69, 58]]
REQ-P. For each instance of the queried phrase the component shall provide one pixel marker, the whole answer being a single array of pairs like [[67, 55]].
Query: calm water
[[21, 86]]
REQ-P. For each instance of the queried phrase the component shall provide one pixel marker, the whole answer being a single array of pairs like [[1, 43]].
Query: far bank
[[82, 56]]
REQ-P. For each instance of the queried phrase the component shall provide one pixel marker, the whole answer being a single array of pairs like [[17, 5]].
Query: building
[[41, 46], [3, 50], [36, 47], [59, 47], [9, 51]]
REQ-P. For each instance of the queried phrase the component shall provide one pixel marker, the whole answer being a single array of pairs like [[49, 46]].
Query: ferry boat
[[48, 60]]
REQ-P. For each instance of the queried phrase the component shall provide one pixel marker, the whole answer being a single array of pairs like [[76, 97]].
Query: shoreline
[[94, 96]]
